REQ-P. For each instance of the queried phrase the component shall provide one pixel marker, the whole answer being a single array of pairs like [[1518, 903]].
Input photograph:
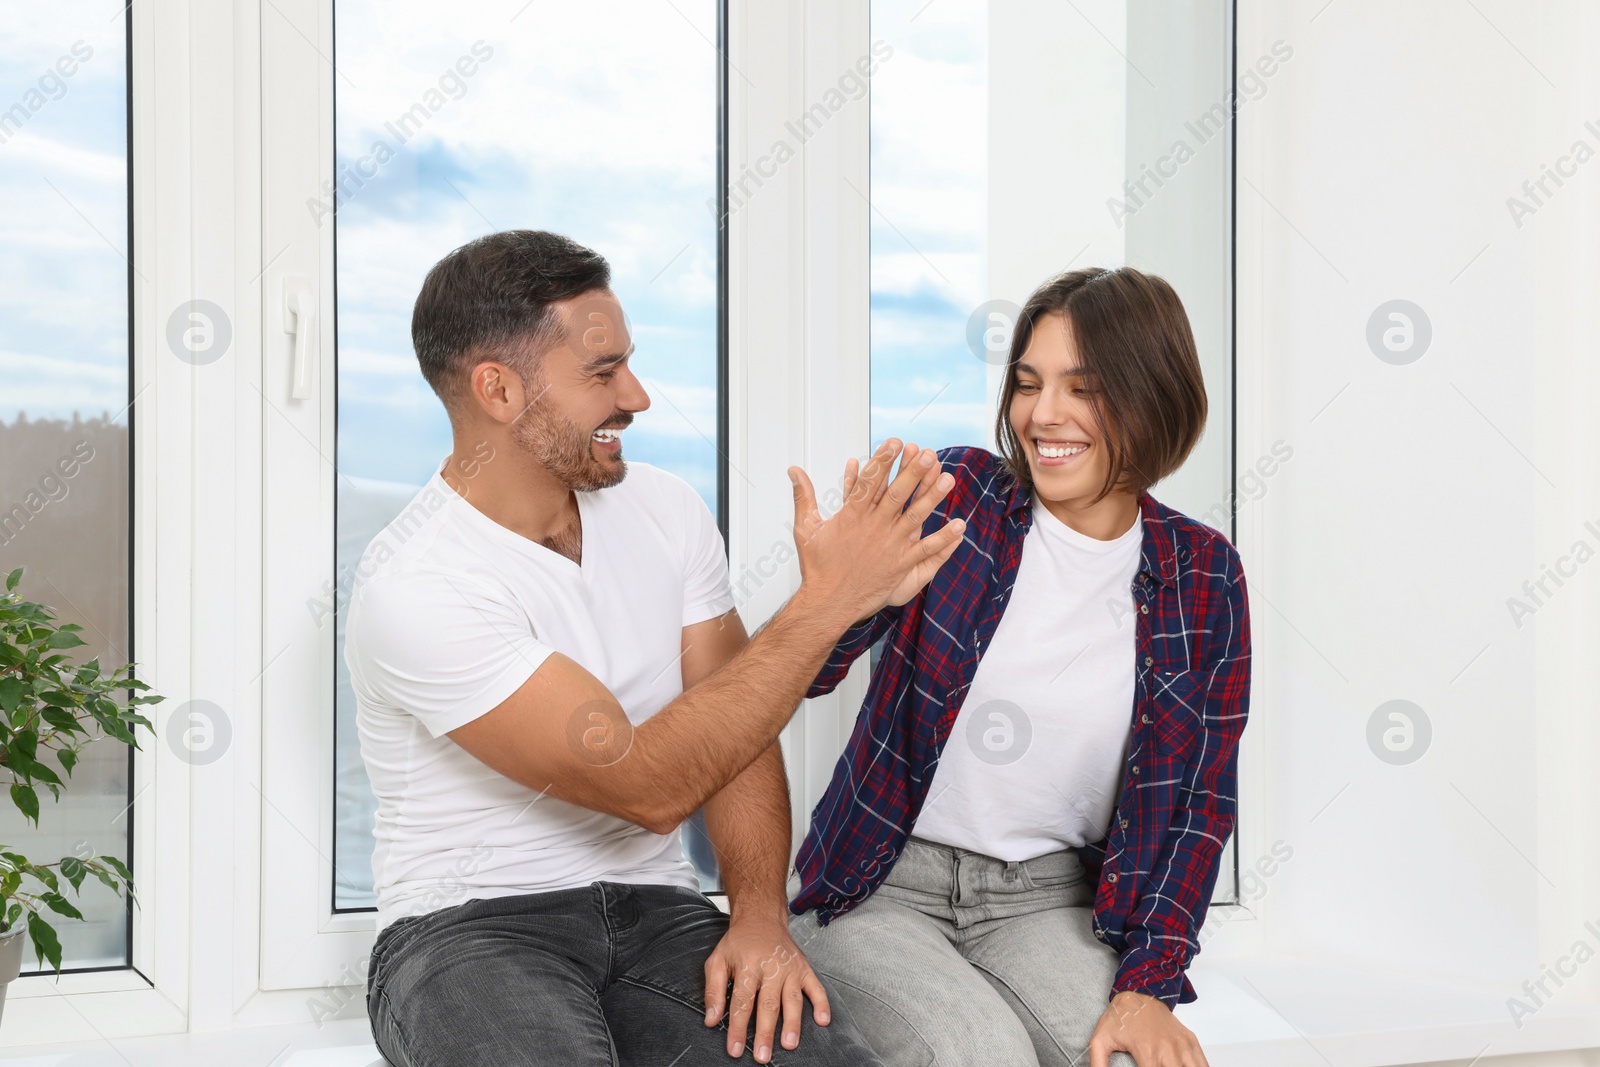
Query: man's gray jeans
[[607, 975], [963, 960]]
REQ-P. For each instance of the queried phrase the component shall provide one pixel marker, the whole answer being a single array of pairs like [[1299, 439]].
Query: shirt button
[[1144, 719], [1101, 934], [1123, 823], [1111, 876], [1135, 768], [1144, 609], [1149, 661]]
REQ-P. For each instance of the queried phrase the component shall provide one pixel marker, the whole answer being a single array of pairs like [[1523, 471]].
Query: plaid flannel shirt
[[1155, 870]]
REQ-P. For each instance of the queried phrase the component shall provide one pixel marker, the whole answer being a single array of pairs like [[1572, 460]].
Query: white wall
[[1086, 97], [1380, 556], [1419, 497]]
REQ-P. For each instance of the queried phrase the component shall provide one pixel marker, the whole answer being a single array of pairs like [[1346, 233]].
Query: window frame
[[306, 940], [29, 962], [218, 923], [188, 643]]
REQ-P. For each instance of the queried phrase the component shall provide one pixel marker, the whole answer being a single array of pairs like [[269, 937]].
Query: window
[[598, 121], [976, 201], [65, 277]]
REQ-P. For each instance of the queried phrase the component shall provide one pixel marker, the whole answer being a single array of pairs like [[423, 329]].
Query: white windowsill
[[1252, 1012], [1256, 1011], [123, 979]]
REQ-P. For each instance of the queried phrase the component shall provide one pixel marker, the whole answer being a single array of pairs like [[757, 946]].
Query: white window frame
[[799, 318], [197, 538], [304, 941], [232, 527], [802, 233]]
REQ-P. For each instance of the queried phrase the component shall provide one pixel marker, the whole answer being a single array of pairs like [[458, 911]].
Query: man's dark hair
[[490, 299]]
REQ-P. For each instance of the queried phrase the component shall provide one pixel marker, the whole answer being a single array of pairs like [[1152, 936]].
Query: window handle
[[300, 319]]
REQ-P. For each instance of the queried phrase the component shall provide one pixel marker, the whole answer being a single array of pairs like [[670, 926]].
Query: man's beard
[[567, 450]]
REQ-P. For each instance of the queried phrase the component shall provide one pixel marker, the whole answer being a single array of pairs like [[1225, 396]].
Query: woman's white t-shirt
[[450, 614], [1035, 755]]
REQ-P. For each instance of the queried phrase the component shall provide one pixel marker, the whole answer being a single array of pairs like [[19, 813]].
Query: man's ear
[[497, 391]]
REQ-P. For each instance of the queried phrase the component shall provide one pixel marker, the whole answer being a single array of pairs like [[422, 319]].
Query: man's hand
[[872, 549], [768, 973], [923, 573], [1145, 1029]]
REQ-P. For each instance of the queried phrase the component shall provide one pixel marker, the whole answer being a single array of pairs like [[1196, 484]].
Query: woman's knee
[[938, 1032], [916, 1009]]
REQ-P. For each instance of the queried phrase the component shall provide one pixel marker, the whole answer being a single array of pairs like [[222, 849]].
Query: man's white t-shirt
[[1035, 755], [450, 614]]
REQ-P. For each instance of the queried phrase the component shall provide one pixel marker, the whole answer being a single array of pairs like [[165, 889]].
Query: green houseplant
[[50, 708]]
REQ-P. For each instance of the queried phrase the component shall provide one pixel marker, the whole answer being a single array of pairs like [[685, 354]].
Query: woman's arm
[[856, 640], [1163, 932]]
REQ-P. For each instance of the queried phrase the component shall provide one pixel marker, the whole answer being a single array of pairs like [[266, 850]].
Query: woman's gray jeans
[[963, 960]]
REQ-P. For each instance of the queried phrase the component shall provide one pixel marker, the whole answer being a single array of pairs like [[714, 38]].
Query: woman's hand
[[1145, 1029], [872, 547], [912, 583]]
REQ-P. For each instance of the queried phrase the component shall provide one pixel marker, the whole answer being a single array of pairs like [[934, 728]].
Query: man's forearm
[[748, 823], [691, 749]]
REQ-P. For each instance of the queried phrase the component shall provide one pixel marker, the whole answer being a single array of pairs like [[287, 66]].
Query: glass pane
[[596, 120], [64, 399], [978, 199]]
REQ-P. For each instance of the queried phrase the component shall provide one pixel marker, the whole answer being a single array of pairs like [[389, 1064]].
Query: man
[[551, 679]]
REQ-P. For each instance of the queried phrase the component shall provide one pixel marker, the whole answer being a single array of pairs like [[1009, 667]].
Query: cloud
[[595, 120]]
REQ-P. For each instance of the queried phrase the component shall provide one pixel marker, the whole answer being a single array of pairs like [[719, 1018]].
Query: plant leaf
[[64, 638], [115, 728], [24, 746], [11, 690], [26, 800], [13, 579], [43, 772], [61, 906], [73, 870], [62, 720], [45, 875], [118, 866], [45, 941]]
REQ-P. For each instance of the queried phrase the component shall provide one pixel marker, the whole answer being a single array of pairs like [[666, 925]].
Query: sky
[[598, 121], [929, 193], [595, 120], [63, 230], [64, 338]]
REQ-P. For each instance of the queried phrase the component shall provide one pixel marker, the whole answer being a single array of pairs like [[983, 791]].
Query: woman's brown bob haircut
[[1137, 353]]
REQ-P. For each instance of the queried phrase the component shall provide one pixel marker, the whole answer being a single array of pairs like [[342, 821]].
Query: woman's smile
[[1057, 451]]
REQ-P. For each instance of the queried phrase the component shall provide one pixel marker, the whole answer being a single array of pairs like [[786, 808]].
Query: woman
[[1015, 855]]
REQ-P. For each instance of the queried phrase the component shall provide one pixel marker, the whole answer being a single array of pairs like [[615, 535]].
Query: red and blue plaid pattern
[[1157, 867]]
